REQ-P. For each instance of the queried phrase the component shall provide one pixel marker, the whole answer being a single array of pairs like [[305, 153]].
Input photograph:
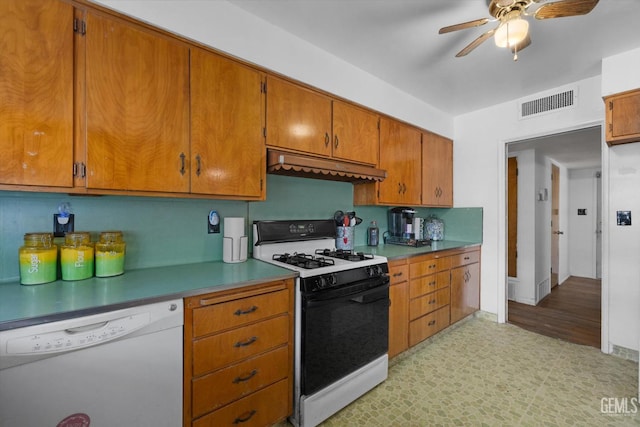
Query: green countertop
[[398, 252], [29, 305]]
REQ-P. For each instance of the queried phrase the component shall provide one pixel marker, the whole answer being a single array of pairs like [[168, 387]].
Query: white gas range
[[342, 309]]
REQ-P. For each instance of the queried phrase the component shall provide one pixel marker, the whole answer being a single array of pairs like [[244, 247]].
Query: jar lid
[[78, 237], [111, 236], [38, 238]]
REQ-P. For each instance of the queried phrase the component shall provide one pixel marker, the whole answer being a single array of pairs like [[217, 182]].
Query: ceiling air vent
[[547, 104]]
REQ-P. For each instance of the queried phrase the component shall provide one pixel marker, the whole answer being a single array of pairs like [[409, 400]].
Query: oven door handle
[[359, 296]]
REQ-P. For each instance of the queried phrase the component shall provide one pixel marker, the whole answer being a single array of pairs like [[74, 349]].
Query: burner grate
[[345, 254], [303, 260]]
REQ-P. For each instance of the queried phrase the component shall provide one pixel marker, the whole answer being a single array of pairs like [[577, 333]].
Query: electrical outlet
[[213, 222], [60, 229]]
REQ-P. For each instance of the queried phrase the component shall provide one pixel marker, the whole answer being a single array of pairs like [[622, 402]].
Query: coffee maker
[[401, 222], [400, 228]]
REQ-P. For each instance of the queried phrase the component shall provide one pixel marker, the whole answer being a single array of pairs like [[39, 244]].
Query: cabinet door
[[398, 318], [623, 117], [227, 144], [355, 134], [36, 92], [437, 170], [137, 85], [400, 157], [465, 291], [298, 118]]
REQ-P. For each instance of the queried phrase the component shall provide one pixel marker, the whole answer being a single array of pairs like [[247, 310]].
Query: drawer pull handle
[[240, 312], [432, 266], [245, 419], [247, 378], [432, 301], [397, 274], [467, 258], [432, 283], [433, 322], [246, 343]]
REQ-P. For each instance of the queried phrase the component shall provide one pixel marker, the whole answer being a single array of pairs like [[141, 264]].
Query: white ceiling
[[398, 41], [579, 149]]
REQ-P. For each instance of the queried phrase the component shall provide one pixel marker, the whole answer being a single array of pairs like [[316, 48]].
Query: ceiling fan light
[[511, 32]]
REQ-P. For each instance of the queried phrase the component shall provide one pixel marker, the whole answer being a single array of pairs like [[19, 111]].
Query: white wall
[[479, 172], [621, 245], [582, 228], [230, 29]]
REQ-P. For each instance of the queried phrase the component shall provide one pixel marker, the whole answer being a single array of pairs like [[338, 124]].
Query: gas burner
[[344, 254], [303, 260]]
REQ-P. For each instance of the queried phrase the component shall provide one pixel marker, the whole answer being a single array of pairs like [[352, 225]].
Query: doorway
[[550, 169]]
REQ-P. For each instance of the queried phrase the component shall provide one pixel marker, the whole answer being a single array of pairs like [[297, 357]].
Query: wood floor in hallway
[[570, 312]]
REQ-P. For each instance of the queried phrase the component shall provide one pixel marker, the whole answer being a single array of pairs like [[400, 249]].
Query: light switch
[[624, 217]]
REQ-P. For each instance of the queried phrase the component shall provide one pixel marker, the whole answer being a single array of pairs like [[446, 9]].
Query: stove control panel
[[345, 278]]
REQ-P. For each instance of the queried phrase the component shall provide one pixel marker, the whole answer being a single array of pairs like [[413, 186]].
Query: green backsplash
[[170, 231]]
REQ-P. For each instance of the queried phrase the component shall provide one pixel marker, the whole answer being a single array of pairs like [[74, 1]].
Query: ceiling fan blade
[[561, 9], [462, 26], [474, 44]]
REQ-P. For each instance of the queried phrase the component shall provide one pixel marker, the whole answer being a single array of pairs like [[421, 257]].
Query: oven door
[[342, 330]]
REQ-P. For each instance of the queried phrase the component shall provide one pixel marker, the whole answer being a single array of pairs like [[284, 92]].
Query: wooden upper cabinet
[[227, 119], [437, 170], [297, 118], [137, 101], [623, 117], [36, 93], [400, 154], [355, 134]]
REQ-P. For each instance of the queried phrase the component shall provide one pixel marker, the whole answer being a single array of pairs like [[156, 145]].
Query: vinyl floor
[[481, 373]]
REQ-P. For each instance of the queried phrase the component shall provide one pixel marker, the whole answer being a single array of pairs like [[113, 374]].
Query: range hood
[[292, 164]]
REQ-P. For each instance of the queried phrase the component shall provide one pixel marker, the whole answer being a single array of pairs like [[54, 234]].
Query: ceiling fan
[[513, 29]]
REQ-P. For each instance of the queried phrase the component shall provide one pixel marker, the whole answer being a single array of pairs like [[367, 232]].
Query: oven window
[[342, 334]]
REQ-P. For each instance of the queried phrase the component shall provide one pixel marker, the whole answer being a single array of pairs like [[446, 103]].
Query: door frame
[[502, 303]]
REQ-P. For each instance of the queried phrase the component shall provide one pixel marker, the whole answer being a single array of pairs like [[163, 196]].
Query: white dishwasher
[[120, 368]]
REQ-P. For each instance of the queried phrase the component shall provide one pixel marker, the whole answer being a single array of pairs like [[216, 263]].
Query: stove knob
[[373, 271], [327, 281]]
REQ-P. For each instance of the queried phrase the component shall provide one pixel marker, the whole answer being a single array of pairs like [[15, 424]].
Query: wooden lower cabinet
[[399, 308], [238, 356], [261, 408], [465, 285], [428, 325], [429, 292]]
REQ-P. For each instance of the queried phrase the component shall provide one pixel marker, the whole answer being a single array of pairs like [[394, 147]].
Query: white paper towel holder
[[235, 243]]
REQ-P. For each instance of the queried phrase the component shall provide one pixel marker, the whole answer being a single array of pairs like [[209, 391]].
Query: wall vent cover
[[547, 104]]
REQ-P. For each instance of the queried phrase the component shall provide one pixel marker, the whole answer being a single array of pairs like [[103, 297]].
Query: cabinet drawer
[[426, 284], [220, 350], [398, 273], [465, 258], [428, 303], [430, 266], [218, 317], [423, 327], [226, 385], [262, 408]]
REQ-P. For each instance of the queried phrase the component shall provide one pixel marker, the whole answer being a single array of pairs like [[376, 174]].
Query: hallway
[[571, 312]]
